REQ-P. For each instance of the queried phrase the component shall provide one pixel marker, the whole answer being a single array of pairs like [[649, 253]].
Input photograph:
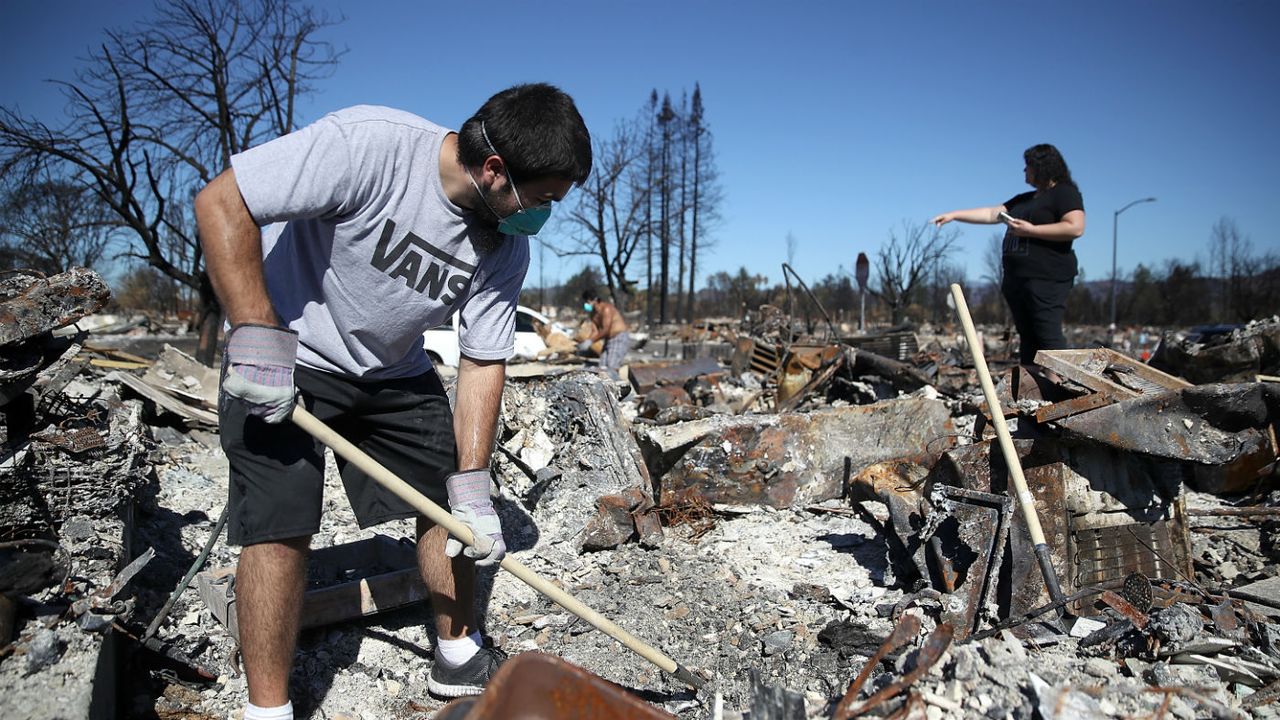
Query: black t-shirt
[[1034, 258]]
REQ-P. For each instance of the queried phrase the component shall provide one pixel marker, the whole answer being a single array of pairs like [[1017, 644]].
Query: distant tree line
[[913, 271], [1235, 285]]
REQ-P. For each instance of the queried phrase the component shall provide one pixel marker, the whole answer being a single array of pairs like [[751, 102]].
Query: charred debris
[[817, 523]]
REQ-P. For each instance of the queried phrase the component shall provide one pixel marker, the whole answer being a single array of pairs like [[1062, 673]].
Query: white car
[[441, 342]]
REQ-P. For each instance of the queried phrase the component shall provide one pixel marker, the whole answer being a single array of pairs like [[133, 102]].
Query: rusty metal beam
[[1074, 406]]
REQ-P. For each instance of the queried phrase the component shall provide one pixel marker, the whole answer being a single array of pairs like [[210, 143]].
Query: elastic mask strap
[[514, 190]]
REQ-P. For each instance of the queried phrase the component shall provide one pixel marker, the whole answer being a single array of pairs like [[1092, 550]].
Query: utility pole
[[861, 272]]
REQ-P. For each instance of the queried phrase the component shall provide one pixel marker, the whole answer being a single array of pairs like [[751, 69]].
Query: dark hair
[[1046, 165], [535, 128], [590, 295]]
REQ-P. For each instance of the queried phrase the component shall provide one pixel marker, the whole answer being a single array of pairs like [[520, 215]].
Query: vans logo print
[[424, 267]]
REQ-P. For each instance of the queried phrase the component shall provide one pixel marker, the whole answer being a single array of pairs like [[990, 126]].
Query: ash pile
[[75, 454], [815, 523]]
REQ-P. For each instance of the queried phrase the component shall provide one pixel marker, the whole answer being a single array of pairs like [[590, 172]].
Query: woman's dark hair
[[590, 295], [536, 130], [1046, 165]]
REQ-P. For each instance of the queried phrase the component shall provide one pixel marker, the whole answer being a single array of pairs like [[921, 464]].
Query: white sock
[[456, 652], [253, 712]]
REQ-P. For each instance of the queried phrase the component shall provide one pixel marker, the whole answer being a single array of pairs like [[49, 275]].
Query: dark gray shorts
[[277, 471]]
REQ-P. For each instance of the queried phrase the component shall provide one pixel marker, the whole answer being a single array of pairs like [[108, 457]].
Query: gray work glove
[[470, 503], [584, 347], [260, 363]]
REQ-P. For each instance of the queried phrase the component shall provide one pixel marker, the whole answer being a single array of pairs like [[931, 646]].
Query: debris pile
[[75, 456], [815, 524]]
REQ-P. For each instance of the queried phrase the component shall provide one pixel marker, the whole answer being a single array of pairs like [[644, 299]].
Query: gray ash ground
[[755, 592], [800, 597]]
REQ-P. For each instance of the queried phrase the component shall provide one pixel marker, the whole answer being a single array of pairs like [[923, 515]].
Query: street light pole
[[1115, 231]]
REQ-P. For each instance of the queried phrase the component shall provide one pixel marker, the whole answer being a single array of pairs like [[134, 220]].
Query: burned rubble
[[813, 525]]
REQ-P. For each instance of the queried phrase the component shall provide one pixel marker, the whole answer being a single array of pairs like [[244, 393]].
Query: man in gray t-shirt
[[331, 250]]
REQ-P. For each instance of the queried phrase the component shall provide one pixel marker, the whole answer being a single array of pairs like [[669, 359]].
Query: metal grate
[[1110, 553]]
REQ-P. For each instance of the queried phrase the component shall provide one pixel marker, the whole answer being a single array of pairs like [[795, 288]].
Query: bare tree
[[706, 188], [608, 220], [1243, 278], [158, 111], [684, 152], [52, 225], [650, 175], [993, 262], [666, 118], [907, 261]]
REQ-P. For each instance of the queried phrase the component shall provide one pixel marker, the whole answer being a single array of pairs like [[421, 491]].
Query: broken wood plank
[[1091, 368], [193, 416], [116, 353], [119, 364], [183, 376]]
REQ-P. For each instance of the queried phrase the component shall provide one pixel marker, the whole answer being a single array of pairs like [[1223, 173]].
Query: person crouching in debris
[[1039, 264], [608, 325], [381, 225]]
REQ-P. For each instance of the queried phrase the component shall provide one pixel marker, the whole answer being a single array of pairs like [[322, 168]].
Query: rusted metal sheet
[[538, 686], [1164, 425], [646, 376], [31, 306], [968, 547], [755, 355], [899, 485], [621, 517], [977, 468], [1106, 514], [797, 459], [1122, 606], [815, 382], [1074, 406]]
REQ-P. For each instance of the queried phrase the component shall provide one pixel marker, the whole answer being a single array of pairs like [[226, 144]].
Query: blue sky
[[836, 121]]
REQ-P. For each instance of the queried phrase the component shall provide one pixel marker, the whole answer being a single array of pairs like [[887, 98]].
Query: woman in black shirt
[[1039, 264]]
